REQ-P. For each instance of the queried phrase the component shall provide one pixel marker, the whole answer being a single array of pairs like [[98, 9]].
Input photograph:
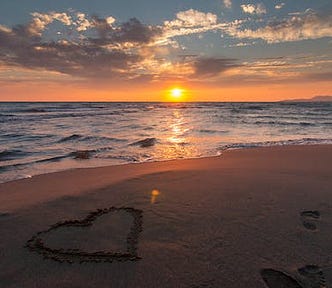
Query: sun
[[176, 94]]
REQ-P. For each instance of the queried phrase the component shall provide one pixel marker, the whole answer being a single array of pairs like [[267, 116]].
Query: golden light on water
[[178, 136]]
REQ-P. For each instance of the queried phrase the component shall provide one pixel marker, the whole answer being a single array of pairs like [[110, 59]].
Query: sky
[[214, 50]]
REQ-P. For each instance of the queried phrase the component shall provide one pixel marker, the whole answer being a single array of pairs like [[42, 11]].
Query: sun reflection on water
[[177, 128], [179, 143]]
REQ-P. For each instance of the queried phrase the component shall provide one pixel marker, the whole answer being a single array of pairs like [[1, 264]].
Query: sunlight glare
[[176, 92], [154, 194]]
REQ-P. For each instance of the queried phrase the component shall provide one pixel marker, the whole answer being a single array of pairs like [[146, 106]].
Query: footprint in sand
[[277, 279], [309, 218], [313, 277]]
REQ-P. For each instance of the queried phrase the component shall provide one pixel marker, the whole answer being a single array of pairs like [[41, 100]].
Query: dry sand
[[250, 218]]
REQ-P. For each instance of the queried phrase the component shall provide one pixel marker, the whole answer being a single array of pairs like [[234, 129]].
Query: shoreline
[[130, 170], [219, 154]]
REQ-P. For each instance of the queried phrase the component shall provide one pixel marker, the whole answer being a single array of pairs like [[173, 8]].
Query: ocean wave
[[147, 142], [208, 131], [77, 154], [70, 138], [124, 158], [148, 128], [307, 124], [12, 135], [49, 115], [103, 138], [9, 167], [82, 154], [76, 137], [87, 153], [4, 115], [280, 123], [29, 163], [18, 138], [5, 168], [254, 107], [33, 110], [51, 159], [302, 141], [6, 155], [149, 107]]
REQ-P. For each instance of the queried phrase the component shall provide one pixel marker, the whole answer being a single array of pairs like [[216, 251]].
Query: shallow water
[[37, 138]]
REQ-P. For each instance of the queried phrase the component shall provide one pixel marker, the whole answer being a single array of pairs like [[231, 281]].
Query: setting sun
[[176, 94]]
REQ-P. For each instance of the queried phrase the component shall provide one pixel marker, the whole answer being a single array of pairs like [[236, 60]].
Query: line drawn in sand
[[36, 243]]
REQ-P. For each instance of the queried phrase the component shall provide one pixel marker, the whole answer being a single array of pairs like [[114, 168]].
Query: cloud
[[110, 54], [324, 76], [301, 13], [295, 28], [279, 6], [254, 9], [208, 67], [134, 31], [110, 20], [82, 22], [285, 69], [102, 27], [40, 21], [192, 22], [192, 18], [227, 3], [105, 49], [131, 32]]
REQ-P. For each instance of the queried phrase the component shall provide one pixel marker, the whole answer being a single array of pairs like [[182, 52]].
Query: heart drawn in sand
[[71, 255]]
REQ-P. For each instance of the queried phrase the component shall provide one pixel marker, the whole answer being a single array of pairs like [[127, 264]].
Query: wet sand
[[249, 218]]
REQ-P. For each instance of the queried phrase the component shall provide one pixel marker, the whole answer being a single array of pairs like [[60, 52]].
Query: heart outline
[[35, 243]]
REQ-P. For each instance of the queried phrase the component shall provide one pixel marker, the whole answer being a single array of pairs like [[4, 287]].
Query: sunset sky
[[102, 50]]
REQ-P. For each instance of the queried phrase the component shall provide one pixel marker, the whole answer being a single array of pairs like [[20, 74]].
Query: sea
[[38, 138]]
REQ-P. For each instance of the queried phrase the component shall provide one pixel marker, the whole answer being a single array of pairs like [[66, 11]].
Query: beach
[[259, 217]]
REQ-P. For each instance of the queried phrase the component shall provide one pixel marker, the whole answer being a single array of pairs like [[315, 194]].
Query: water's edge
[[247, 147]]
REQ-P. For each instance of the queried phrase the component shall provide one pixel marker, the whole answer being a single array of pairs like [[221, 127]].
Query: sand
[[249, 218]]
